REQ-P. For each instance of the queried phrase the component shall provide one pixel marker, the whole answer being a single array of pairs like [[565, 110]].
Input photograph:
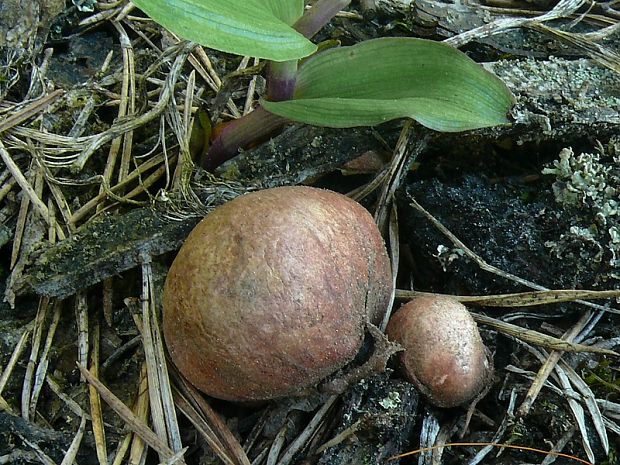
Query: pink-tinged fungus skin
[[271, 293], [444, 354]]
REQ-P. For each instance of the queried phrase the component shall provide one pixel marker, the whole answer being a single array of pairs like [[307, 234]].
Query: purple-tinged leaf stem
[[260, 124]]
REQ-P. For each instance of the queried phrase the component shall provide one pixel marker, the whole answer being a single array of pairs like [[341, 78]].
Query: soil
[[529, 206]]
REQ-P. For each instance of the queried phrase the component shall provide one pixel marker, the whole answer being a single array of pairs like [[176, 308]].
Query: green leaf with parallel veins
[[260, 28], [388, 78]]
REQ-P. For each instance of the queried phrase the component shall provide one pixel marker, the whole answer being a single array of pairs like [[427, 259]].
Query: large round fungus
[[271, 292], [444, 354]]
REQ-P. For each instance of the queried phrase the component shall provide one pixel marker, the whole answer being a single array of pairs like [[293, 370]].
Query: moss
[[613, 456], [603, 376]]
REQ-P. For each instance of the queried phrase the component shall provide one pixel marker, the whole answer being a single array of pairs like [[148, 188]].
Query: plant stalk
[[281, 78], [259, 125], [321, 13], [251, 129]]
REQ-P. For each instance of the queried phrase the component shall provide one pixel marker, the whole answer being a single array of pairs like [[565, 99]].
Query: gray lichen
[[558, 95], [587, 187]]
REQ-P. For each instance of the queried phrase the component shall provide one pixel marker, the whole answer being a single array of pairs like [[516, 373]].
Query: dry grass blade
[[26, 187], [8, 370], [129, 124], [308, 432], [184, 162], [160, 392], [126, 108], [128, 97], [121, 450], [37, 334], [30, 110], [364, 191], [249, 99], [549, 365], [73, 449], [590, 400], [562, 9], [612, 426], [41, 371], [17, 352], [559, 446], [132, 442], [78, 215], [71, 404], [597, 52], [6, 188], [401, 159], [565, 390], [81, 319], [133, 422], [576, 409], [277, 445], [20, 227], [175, 458], [345, 434], [208, 422], [540, 339], [95, 402], [501, 430], [394, 241], [60, 200], [203, 428], [5, 407], [157, 411], [521, 299], [141, 408], [42, 456]]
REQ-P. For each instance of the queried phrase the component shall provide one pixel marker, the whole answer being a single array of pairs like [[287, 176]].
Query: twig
[[540, 339], [563, 8], [522, 299]]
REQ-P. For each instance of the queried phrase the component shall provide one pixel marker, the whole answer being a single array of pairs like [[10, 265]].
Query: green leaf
[[260, 28], [287, 11], [388, 78]]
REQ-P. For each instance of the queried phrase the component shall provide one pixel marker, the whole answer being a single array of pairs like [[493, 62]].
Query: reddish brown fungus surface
[[271, 292], [444, 354]]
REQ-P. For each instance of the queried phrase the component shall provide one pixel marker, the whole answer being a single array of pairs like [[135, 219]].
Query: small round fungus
[[271, 292], [444, 354]]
